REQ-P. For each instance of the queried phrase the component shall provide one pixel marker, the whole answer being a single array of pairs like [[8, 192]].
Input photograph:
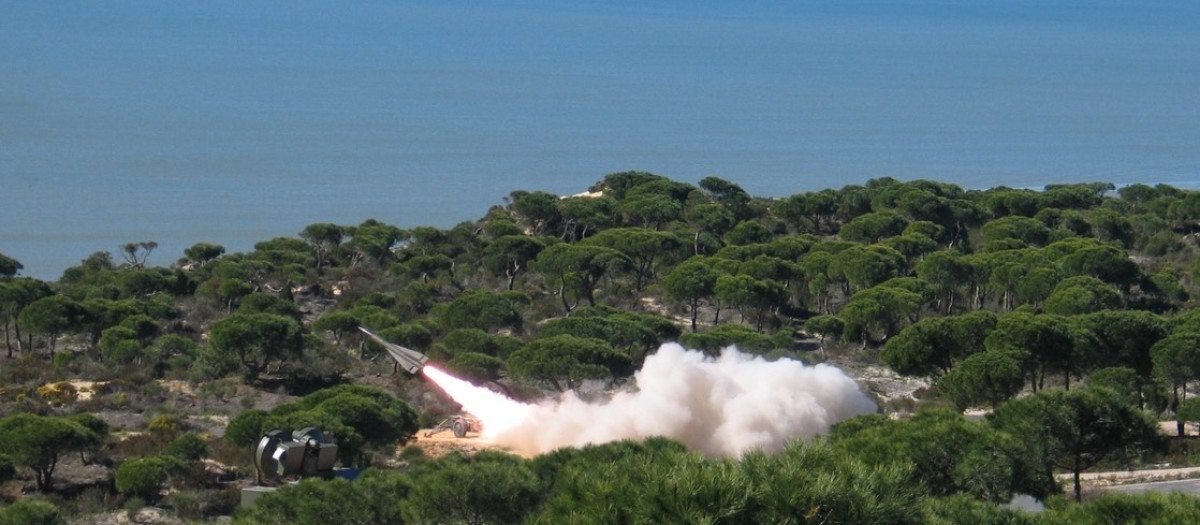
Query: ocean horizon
[[235, 122]]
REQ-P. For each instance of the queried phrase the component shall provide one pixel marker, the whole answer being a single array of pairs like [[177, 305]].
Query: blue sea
[[234, 121]]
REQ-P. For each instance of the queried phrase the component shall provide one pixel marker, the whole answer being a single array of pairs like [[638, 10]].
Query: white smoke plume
[[723, 406]]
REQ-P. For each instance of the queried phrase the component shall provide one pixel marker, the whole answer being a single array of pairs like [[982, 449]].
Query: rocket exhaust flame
[[497, 412], [725, 406]]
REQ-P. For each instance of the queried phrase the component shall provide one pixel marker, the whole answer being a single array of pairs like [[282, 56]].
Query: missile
[[410, 360]]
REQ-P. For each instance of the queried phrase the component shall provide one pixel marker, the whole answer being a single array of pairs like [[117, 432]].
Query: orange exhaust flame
[[497, 412]]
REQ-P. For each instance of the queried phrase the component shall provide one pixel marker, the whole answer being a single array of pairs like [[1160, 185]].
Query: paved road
[[1151, 480], [1148, 474], [1186, 486]]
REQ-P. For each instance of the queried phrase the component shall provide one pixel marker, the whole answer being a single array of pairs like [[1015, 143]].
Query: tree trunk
[[511, 273], [590, 291], [1078, 489], [17, 336], [1175, 402], [562, 293], [44, 473], [695, 307], [8, 342]]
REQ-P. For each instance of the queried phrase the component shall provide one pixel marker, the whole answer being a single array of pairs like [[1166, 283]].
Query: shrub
[[132, 506], [145, 477], [91, 422], [62, 358], [412, 454], [92, 500], [186, 505], [189, 447], [372, 498], [245, 428], [219, 502], [168, 424], [58, 393], [139, 445], [30, 512], [26, 368]]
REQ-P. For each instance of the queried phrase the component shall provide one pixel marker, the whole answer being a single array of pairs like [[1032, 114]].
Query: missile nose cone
[[410, 360]]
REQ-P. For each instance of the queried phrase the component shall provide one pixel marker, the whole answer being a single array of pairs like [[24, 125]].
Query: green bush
[[92, 422], [30, 512], [186, 505], [92, 500], [165, 424], [490, 487], [375, 497], [188, 447], [722, 336], [245, 428], [145, 477], [62, 358], [1152, 508], [132, 506], [962, 508]]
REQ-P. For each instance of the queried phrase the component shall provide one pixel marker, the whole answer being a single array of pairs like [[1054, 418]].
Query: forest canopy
[[1076, 298]]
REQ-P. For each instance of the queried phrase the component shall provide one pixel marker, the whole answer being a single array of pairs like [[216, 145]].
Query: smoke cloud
[[723, 406]]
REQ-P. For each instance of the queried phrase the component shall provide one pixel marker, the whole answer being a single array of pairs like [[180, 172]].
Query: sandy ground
[[84, 389], [444, 442], [1168, 428]]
